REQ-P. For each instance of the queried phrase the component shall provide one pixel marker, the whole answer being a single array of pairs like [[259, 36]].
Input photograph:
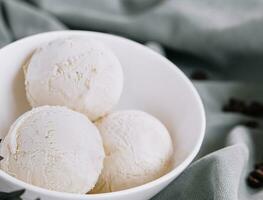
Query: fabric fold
[[25, 19], [215, 176]]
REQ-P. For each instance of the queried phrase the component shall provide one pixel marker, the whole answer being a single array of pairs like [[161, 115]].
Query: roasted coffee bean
[[258, 174], [259, 165], [253, 182], [254, 109], [255, 178], [234, 105], [199, 75]]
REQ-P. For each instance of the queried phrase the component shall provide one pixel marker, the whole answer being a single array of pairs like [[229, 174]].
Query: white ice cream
[[138, 150], [77, 72], [54, 148]]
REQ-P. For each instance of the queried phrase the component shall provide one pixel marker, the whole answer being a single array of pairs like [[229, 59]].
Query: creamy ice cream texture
[[59, 149], [77, 72], [54, 148], [138, 150]]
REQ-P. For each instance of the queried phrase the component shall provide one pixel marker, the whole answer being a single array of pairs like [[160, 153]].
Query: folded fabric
[[225, 37], [229, 150]]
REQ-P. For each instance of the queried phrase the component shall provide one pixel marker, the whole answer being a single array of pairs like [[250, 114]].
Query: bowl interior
[[152, 84]]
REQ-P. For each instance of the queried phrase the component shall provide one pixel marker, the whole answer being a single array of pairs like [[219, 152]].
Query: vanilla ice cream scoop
[[77, 72], [138, 150], [54, 148]]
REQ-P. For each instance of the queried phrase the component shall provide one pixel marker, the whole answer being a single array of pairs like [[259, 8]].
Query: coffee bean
[[259, 165], [255, 178], [258, 174], [199, 75], [254, 109], [234, 105], [253, 182]]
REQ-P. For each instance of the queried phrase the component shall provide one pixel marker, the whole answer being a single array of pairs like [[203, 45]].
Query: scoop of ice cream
[[138, 150], [54, 148], [77, 72]]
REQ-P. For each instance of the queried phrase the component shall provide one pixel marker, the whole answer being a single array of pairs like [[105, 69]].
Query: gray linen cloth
[[223, 38]]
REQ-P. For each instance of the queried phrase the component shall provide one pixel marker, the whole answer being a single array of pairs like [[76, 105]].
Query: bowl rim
[[170, 175]]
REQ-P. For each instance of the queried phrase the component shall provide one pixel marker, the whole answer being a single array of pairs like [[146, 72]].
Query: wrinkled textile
[[223, 38]]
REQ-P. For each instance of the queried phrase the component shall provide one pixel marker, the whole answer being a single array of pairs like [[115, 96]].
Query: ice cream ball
[[77, 72], [138, 150], [54, 148]]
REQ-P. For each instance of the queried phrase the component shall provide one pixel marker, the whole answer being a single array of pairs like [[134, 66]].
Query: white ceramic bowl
[[152, 84]]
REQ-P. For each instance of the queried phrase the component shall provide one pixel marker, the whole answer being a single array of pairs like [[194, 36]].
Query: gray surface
[[225, 38]]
